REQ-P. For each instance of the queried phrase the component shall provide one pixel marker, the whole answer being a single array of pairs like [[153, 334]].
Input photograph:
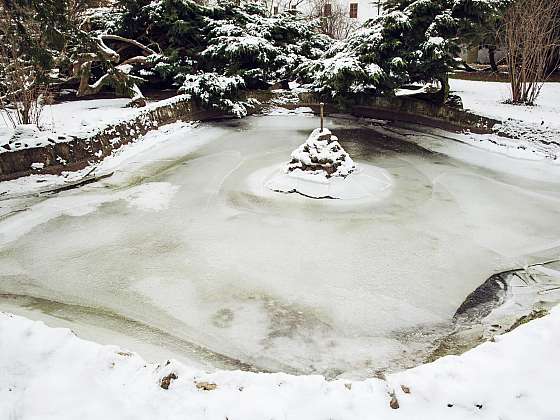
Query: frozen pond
[[181, 251]]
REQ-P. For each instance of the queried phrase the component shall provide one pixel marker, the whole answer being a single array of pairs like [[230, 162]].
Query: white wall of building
[[367, 9]]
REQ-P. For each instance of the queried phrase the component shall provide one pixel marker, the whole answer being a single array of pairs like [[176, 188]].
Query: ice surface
[[178, 240], [366, 182]]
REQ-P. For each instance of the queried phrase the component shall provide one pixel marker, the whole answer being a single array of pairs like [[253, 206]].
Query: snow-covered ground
[[528, 132], [261, 278], [51, 374], [488, 99], [63, 121]]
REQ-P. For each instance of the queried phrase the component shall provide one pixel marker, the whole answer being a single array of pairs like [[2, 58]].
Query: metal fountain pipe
[[321, 105]]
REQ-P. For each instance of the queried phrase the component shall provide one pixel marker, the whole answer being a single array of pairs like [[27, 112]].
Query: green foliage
[[215, 91], [480, 21], [415, 41], [238, 42]]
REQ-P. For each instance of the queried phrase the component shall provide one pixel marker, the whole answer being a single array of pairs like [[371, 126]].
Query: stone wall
[[81, 152], [413, 111]]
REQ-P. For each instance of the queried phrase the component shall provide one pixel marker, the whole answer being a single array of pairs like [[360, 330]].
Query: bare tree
[[284, 5], [335, 20], [530, 38], [22, 80]]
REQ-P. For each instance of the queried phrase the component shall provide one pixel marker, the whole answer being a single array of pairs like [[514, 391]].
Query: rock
[[394, 403], [166, 380], [535, 314], [405, 389], [206, 386], [454, 101]]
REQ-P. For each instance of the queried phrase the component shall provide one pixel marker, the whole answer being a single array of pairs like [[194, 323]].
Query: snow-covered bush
[[214, 91]]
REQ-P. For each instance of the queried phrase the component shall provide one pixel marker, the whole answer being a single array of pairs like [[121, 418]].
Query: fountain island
[[320, 168]]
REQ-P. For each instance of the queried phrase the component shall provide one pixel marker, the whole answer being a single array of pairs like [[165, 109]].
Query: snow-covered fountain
[[321, 168]]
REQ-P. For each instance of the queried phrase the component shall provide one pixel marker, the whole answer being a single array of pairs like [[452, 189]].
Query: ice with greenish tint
[[183, 246]]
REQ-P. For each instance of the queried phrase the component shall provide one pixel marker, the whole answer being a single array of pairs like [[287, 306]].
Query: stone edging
[[81, 152], [416, 111]]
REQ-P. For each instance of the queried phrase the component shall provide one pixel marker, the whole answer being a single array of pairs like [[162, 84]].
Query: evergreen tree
[[414, 41], [231, 47]]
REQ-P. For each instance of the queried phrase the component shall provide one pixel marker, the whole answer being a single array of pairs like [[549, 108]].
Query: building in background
[[357, 10]]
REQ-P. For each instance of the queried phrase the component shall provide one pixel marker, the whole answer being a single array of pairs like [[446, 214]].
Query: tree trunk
[[492, 58], [443, 94]]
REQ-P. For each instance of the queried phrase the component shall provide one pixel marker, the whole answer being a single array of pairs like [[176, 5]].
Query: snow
[[488, 99], [153, 196], [61, 122], [320, 156], [302, 110], [367, 183], [527, 132], [52, 374], [320, 168], [117, 161]]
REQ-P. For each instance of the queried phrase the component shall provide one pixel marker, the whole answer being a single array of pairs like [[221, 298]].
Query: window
[[354, 10], [327, 10], [275, 10]]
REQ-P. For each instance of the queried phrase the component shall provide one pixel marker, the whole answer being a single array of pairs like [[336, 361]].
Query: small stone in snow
[[348, 386], [206, 386], [166, 380], [394, 404], [405, 389]]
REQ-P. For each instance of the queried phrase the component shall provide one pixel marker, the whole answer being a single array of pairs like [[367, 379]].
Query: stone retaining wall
[[80, 152], [412, 110]]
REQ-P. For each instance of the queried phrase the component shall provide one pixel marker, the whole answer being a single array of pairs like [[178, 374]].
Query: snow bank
[[52, 374], [162, 140]]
